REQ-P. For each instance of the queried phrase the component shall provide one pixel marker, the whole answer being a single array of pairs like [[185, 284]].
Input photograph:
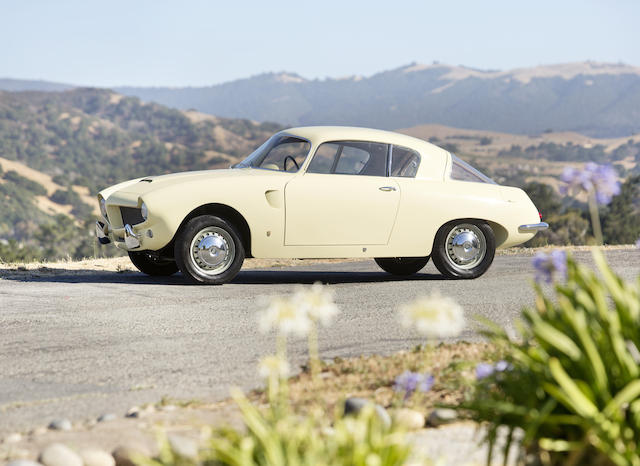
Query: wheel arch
[[226, 212], [500, 233]]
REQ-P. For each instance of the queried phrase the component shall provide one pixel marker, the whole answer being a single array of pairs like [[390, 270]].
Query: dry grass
[[51, 187], [372, 377], [520, 251], [123, 264]]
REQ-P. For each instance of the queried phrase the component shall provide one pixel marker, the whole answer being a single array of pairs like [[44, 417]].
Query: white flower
[[317, 302], [286, 316], [434, 316], [274, 365]]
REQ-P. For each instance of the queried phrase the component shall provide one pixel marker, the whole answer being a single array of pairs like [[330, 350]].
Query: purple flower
[[408, 382], [502, 366], [601, 179], [548, 264], [484, 370]]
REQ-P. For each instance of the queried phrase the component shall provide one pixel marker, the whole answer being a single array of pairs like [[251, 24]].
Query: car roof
[[336, 133], [434, 158]]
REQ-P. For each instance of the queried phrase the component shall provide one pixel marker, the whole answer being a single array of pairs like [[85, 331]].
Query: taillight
[[540, 215]]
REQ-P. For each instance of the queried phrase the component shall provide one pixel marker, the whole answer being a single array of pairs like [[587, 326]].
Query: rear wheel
[[152, 265], [402, 265], [464, 249], [209, 251]]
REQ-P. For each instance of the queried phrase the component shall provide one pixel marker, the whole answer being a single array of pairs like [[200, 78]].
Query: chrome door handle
[[387, 188]]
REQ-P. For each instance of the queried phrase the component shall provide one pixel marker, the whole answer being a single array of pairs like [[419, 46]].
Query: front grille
[[131, 216]]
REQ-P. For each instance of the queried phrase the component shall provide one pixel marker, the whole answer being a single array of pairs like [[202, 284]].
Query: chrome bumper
[[131, 240], [101, 233], [533, 227]]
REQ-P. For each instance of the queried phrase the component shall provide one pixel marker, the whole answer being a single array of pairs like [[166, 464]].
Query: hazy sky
[[135, 42]]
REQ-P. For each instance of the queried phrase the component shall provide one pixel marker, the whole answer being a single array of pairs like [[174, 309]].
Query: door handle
[[387, 188]]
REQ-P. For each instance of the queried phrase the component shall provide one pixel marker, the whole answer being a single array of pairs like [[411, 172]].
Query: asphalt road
[[77, 346]]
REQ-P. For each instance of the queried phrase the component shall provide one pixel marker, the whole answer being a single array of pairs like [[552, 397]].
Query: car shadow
[[245, 277]]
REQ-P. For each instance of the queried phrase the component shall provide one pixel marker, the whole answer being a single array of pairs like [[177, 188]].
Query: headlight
[[103, 208], [144, 211]]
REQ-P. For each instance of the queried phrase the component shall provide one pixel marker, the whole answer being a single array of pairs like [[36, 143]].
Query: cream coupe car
[[320, 192]]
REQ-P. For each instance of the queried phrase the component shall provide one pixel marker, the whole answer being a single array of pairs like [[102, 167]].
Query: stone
[[184, 447], [58, 454], [107, 417], [168, 408], [95, 457], [13, 438], [133, 412], [408, 419], [353, 406], [124, 455], [441, 416], [23, 463], [60, 424], [38, 431]]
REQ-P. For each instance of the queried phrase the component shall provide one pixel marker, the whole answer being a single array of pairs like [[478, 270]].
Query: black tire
[[402, 265], [152, 265], [449, 263], [225, 245]]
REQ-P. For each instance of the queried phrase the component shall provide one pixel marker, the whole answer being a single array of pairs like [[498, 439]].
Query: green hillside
[[94, 138]]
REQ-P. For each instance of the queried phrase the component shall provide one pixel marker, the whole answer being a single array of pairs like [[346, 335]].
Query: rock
[[13, 438], [184, 447], [440, 416], [58, 454], [353, 406], [94, 457], [133, 412], [125, 455], [60, 424], [107, 417], [23, 463], [408, 419], [168, 408], [38, 431]]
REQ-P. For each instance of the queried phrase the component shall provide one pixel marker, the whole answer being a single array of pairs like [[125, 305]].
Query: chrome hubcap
[[212, 251], [466, 246]]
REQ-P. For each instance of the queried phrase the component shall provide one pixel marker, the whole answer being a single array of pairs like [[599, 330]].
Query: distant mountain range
[[596, 99]]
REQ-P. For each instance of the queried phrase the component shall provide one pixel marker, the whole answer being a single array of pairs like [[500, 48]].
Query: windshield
[[281, 152], [462, 171]]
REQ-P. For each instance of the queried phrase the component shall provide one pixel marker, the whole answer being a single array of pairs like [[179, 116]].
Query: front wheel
[[209, 251], [152, 265], [464, 249], [402, 265]]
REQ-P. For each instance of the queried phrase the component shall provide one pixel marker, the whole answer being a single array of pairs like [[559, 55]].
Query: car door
[[344, 198]]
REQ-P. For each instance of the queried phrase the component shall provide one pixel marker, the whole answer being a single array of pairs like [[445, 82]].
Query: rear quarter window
[[462, 171]]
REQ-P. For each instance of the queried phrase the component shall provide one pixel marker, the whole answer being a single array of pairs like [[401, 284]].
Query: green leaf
[[577, 400]]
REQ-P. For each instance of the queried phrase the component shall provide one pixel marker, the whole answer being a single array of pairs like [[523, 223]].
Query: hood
[[140, 186]]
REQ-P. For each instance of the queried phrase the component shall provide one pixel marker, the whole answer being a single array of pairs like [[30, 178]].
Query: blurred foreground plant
[[277, 436], [573, 377], [572, 382]]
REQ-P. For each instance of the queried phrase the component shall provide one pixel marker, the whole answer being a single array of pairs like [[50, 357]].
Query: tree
[[544, 197], [621, 222]]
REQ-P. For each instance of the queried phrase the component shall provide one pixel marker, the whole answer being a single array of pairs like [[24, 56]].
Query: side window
[[404, 162], [287, 155], [352, 161], [322, 161], [350, 158]]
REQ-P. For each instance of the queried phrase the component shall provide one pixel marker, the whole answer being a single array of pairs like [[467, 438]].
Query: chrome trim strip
[[533, 227]]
